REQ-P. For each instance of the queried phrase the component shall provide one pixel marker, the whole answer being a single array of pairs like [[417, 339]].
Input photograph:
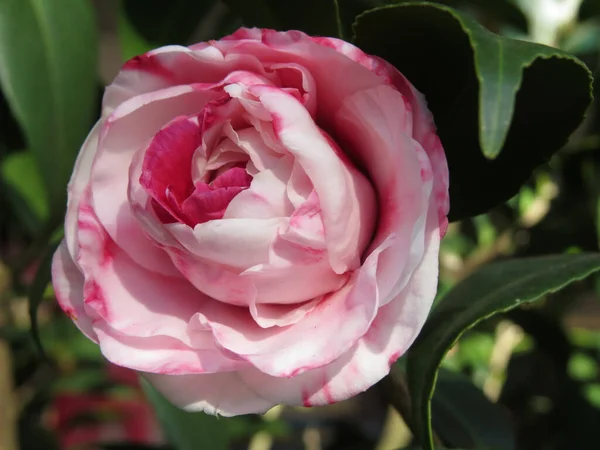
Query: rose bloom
[[255, 221]]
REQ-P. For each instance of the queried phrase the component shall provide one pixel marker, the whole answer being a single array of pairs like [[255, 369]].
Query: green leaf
[[495, 288], [188, 431], [315, 17], [464, 417], [48, 53], [159, 22], [26, 189], [502, 106]]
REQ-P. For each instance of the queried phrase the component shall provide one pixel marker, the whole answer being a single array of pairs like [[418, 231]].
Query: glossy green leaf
[[25, 189], [48, 53], [315, 17], [495, 288], [464, 417], [188, 431], [161, 22], [502, 106], [501, 12]]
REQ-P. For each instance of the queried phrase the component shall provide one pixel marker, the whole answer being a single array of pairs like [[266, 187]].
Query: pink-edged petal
[[424, 132], [78, 184], [128, 129], [335, 324], [68, 280], [335, 75], [142, 206], [346, 196], [129, 298], [171, 66], [160, 354], [423, 128], [266, 196], [370, 120], [234, 243], [364, 364]]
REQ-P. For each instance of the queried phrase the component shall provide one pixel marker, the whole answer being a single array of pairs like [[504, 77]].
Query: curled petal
[[339, 320], [347, 198], [370, 120]]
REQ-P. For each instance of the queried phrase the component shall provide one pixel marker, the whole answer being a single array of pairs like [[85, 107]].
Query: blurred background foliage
[[527, 379]]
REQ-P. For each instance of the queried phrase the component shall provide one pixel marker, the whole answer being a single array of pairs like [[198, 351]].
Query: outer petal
[[160, 354], [224, 394], [335, 75], [368, 361], [401, 172], [78, 184], [68, 287], [128, 129], [171, 66], [127, 297], [424, 129]]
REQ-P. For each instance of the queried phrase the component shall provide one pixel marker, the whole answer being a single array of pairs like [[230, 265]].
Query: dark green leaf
[[132, 42], [502, 106], [162, 22], [48, 53], [315, 17], [36, 294], [495, 288], [463, 417], [255, 13], [21, 175], [500, 12], [589, 8], [349, 9], [188, 431]]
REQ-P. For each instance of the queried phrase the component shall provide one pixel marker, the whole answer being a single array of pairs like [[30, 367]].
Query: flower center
[[167, 177]]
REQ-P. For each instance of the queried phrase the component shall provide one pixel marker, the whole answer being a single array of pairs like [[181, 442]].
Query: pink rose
[[255, 221]]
